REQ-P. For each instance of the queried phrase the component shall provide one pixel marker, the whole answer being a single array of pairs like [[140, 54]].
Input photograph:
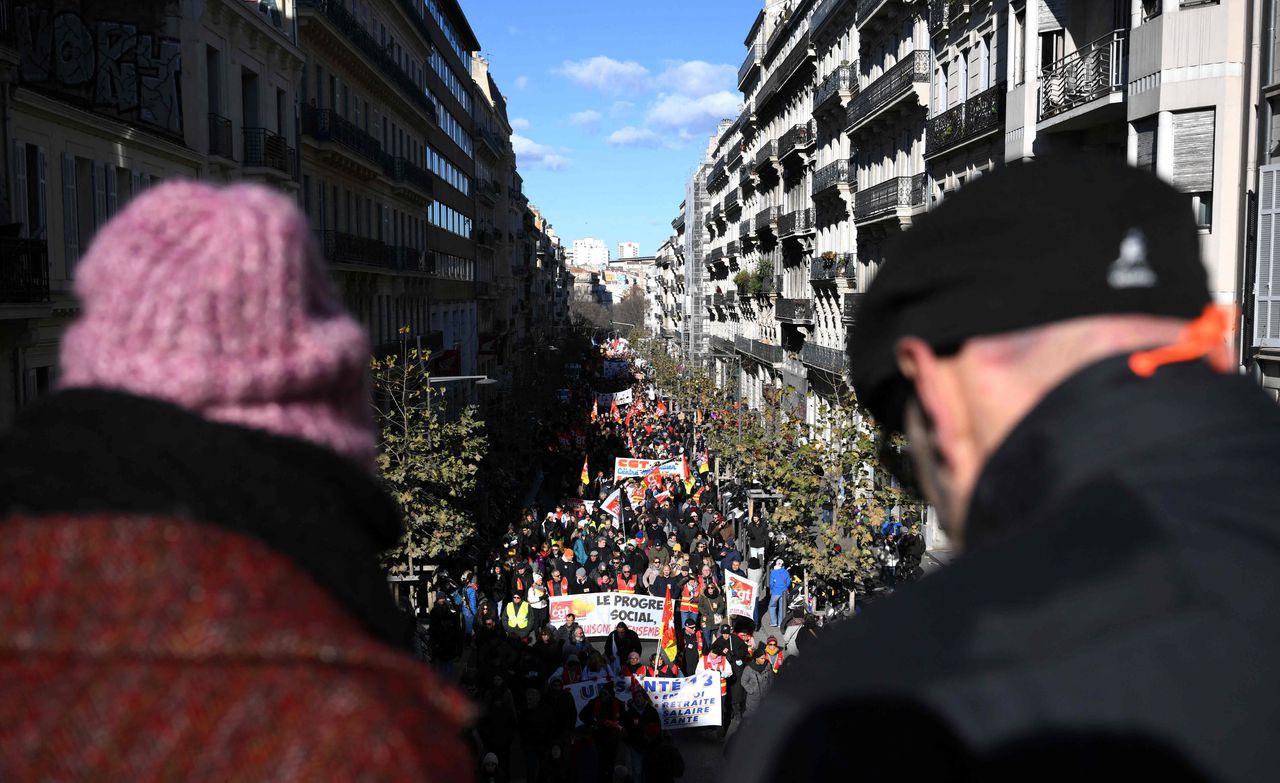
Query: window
[[213, 75], [282, 114], [248, 99], [453, 129], [29, 194], [456, 86], [1052, 48], [1019, 46], [1193, 150]]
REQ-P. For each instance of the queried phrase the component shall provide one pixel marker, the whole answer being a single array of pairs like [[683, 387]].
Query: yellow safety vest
[[520, 620]]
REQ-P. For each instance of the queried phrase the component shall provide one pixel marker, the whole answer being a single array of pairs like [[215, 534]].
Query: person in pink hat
[[191, 523]]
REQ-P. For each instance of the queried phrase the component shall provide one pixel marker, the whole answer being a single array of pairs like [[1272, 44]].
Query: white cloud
[[606, 74], [697, 78], [519, 123], [531, 153], [621, 108], [586, 118], [632, 136], [681, 112], [521, 82]]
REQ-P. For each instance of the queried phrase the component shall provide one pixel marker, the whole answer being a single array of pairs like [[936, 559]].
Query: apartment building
[[105, 100], [628, 250], [860, 115]]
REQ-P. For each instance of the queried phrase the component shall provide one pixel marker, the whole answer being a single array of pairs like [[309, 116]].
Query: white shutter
[[1266, 311], [99, 195], [113, 195], [1193, 150], [18, 152], [40, 220], [70, 213]]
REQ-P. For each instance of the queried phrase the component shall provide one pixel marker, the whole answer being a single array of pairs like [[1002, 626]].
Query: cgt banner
[[630, 467], [600, 613], [741, 593], [685, 703], [605, 399]]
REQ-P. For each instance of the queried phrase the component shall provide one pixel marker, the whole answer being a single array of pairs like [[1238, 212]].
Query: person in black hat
[[1046, 341]]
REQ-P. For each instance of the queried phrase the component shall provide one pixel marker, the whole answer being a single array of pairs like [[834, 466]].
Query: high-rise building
[[590, 252], [628, 250]]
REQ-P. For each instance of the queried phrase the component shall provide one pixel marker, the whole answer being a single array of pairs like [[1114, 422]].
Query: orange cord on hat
[[1203, 338]]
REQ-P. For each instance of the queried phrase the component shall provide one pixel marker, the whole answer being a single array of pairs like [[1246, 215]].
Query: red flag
[[654, 479], [667, 643], [594, 414], [586, 477], [613, 410], [662, 409]]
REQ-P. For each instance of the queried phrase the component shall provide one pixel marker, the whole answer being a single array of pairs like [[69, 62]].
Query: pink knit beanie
[[215, 299]]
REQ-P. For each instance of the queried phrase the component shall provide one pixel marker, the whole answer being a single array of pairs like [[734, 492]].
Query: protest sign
[[629, 467], [620, 398], [600, 613], [682, 703], [615, 368], [741, 593]]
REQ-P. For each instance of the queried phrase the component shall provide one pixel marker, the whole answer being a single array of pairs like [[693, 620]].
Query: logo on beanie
[[1130, 269]]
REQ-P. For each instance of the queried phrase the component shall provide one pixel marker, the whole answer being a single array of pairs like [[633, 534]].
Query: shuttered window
[[1146, 130], [1266, 319], [1193, 151], [70, 213]]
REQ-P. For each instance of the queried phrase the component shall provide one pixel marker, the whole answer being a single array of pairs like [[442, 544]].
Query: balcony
[[834, 178], [489, 140], [716, 255], [766, 353], [794, 311], [1093, 72], [718, 178], [486, 191], [798, 139], [744, 230], [827, 13], [24, 271], [677, 225], [340, 248], [894, 85], [750, 66], [849, 313], [735, 156], [820, 357], [220, 137], [869, 8], [732, 200], [767, 218], [402, 171], [731, 249], [801, 54], [838, 87], [264, 149], [326, 125], [978, 116], [888, 198], [942, 13], [721, 346], [822, 270], [766, 156], [796, 223], [336, 14]]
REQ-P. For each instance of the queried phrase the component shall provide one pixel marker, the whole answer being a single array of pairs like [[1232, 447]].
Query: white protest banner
[[605, 399], [741, 593], [686, 703], [615, 368], [682, 703], [630, 467], [600, 613]]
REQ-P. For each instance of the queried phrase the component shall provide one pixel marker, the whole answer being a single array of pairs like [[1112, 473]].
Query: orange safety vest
[[689, 598], [626, 587]]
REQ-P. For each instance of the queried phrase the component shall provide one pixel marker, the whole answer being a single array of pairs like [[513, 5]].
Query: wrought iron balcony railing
[[745, 229], [823, 358], [830, 270], [265, 149], [943, 12], [328, 125], [841, 80], [767, 152], [342, 248], [767, 217], [718, 178], [824, 13], [721, 345], [892, 85], [404, 170], [24, 270], [980, 114], [869, 8], [798, 139], [732, 199], [766, 352], [849, 313], [833, 175], [750, 64], [798, 222], [220, 137], [796, 311], [888, 196], [1093, 71], [735, 155]]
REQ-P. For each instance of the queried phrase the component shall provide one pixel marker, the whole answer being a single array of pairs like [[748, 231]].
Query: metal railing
[[1095, 70], [268, 150], [766, 352], [735, 155], [800, 137], [24, 270], [745, 229], [362, 39], [732, 199], [849, 313], [767, 216], [798, 311], [831, 175], [840, 80], [766, 152], [824, 358], [892, 85], [220, 143], [404, 170], [821, 269], [868, 9], [328, 125], [982, 113], [752, 62], [721, 345], [823, 13], [731, 249], [797, 222], [890, 195], [343, 248], [943, 12]]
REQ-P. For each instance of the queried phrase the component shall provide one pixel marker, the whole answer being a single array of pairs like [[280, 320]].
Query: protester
[[757, 677], [622, 642], [1075, 421], [779, 584]]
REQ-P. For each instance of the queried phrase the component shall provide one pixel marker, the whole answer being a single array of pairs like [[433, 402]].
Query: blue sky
[[612, 103]]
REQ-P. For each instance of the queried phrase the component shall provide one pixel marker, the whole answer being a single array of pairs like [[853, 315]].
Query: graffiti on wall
[[119, 67]]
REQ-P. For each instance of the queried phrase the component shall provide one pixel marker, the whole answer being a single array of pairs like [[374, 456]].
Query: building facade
[[590, 252], [628, 250]]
